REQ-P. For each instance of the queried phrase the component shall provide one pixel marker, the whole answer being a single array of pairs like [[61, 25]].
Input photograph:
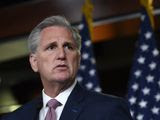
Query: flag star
[[140, 117], [92, 72], [135, 86], [157, 97], [148, 35], [80, 26], [146, 91], [85, 56], [142, 17], [155, 52], [79, 79], [82, 67], [152, 65], [132, 100], [138, 73], [97, 89], [93, 61], [150, 78], [89, 85], [144, 47], [132, 113], [155, 110], [87, 43], [143, 104], [141, 60]]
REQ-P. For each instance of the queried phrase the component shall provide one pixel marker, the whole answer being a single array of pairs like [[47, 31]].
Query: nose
[[61, 54]]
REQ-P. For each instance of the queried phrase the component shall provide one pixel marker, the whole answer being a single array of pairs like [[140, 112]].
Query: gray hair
[[34, 36]]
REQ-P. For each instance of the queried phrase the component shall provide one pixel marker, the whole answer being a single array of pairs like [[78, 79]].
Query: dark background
[[114, 54]]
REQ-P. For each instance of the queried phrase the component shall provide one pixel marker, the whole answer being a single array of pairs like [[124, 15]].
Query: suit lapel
[[38, 106], [74, 104]]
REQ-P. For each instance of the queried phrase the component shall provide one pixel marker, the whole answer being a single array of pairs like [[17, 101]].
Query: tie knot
[[53, 103]]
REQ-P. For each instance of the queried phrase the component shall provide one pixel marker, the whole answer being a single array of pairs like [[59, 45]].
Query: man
[[55, 54]]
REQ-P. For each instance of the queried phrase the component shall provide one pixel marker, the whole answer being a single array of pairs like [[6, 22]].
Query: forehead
[[56, 31], [56, 34]]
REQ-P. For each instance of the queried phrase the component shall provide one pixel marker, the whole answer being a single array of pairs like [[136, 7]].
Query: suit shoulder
[[25, 109], [104, 97], [106, 100], [104, 103]]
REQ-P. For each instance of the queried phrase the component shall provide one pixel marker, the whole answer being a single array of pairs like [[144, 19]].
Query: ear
[[33, 62]]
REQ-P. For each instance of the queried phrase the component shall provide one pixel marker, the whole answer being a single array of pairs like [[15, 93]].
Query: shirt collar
[[61, 97]]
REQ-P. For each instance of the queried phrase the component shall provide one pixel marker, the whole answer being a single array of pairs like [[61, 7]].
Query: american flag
[[87, 74], [144, 85]]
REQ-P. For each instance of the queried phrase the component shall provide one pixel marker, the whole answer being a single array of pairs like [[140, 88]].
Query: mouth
[[61, 67]]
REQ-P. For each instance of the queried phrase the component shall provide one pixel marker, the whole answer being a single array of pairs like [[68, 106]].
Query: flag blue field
[[144, 84], [87, 74]]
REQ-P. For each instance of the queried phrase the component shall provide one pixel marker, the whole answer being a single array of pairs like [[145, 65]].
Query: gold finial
[[149, 8], [87, 10]]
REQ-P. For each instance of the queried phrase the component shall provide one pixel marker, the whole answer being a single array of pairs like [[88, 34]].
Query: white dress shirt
[[62, 98]]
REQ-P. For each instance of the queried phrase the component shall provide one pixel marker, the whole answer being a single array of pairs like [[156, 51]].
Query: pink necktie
[[51, 114]]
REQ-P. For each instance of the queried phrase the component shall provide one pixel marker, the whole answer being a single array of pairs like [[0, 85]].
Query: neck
[[53, 90]]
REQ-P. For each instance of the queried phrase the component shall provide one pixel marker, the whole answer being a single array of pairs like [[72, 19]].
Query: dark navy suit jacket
[[81, 105]]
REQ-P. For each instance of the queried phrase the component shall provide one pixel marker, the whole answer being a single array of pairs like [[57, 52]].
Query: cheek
[[75, 62], [44, 63]]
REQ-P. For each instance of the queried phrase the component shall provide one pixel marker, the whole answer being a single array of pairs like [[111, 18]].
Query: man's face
[[57, 57]]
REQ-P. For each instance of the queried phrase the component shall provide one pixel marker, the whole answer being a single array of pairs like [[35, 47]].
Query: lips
[[62, 67]]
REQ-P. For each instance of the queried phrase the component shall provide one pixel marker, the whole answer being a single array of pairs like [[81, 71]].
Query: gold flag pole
[[87, 11], [149, 8]]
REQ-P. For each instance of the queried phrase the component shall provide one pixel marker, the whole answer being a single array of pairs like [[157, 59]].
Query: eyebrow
[[55, 43], [50, 43]]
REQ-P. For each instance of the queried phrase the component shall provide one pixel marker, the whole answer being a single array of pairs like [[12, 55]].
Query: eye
[[51, 47], [69, 46]]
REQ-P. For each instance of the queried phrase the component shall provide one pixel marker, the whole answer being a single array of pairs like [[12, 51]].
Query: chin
[[62, 78]]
